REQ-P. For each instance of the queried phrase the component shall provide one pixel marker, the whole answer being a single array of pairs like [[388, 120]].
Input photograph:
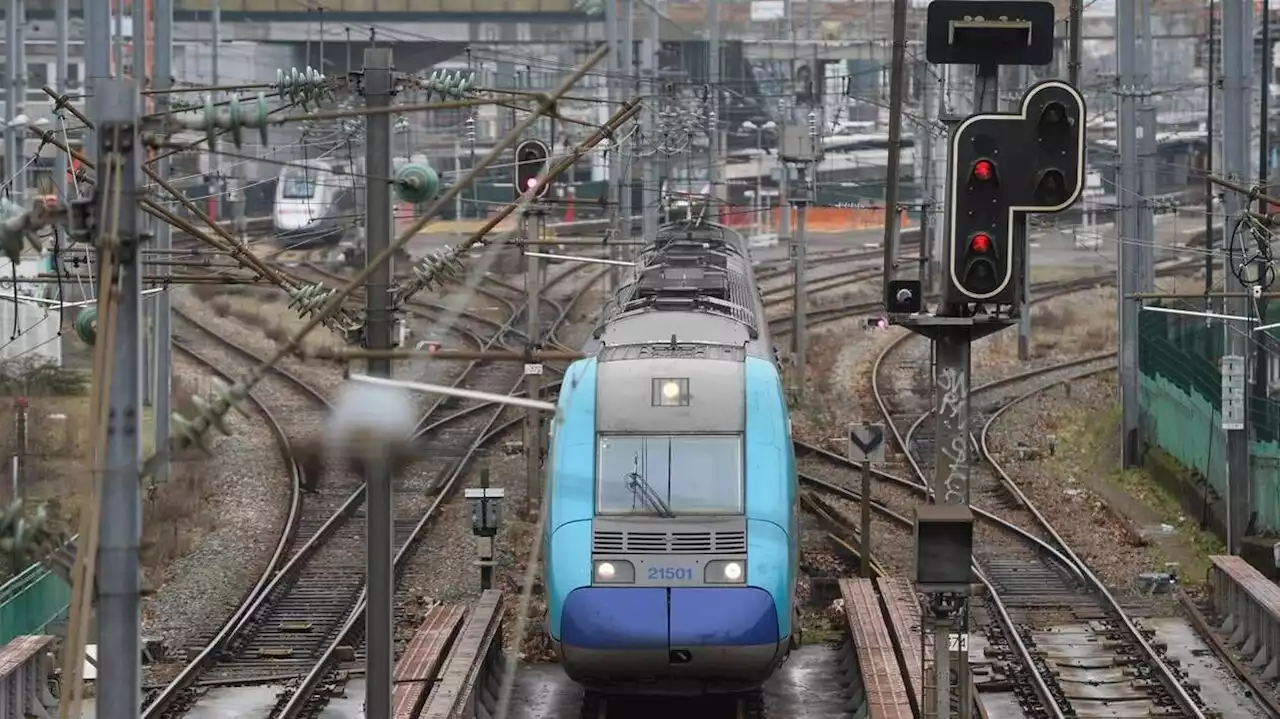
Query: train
[[316, 204], [672, 535]]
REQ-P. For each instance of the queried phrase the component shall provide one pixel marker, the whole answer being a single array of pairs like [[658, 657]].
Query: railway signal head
[[531, 163], [981, 266], [1005, 165], [1058, 113]]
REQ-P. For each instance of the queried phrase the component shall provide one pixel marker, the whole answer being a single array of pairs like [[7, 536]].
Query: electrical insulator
[[302, 88], [416, 183], [447, 85], [430, 271], [308, 299], [233, 118], [86, 325]]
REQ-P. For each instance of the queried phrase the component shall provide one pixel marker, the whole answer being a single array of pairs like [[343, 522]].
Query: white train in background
[[317, 202]]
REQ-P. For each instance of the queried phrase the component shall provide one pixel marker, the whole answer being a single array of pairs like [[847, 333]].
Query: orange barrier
[[822, 220]]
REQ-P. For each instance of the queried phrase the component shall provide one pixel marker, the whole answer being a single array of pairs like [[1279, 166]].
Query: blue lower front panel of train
[[671, 544]]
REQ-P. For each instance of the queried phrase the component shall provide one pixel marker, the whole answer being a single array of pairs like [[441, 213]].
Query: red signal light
[[981, 243], [984, 170]]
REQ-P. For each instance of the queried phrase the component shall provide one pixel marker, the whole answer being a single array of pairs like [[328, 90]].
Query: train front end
[[671, 552], [310, 206]]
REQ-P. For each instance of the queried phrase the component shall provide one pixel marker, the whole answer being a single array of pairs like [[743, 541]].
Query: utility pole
[[615, 149], [798, 148], [1237, 41], [164, 242], [12, 138], [626, 59], [533, 367], [1209, 169], [117, 40], [652, 177], [138, 64], [378, 86], [800, 312], [114, 107], [19, 102], [1128, 268], [97, 61], [217, 187], [1076, 16], [62, 20], [1020, 237], [1146, 249], [715, 159], [893, 172], [1262, 346]]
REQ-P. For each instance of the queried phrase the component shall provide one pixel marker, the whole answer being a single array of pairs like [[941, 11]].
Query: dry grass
[[175, 515], [824, 403]]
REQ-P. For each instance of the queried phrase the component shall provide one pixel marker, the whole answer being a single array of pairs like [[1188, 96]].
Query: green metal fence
[[31, 602], [1181, 404]]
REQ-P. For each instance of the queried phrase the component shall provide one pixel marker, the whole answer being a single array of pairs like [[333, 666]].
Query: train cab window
[[299, 184], [670, 475]]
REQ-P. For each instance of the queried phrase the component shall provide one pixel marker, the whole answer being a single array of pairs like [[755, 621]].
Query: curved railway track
[[283, 625], [287, 395], [1025, 583], [307, 410], [452, 440]]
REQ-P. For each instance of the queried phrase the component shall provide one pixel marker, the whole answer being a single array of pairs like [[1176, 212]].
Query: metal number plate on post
[[866, 442], [532, 368], [958, 642], [1233, 381]]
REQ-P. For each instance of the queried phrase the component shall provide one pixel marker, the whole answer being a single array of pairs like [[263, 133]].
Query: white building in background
[[36, 324]]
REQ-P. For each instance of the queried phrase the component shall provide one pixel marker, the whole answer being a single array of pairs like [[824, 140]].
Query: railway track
[[452, 441], [306, 409], [1028, 586], [816, 317], [283, 625]]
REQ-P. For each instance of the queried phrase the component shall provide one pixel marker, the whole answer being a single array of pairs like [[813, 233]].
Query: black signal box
[[989, 32]]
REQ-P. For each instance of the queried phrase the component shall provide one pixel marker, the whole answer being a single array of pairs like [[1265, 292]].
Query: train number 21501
[[670, 573]]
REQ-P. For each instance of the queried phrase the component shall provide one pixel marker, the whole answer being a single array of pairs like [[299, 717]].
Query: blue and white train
[[672, 541]]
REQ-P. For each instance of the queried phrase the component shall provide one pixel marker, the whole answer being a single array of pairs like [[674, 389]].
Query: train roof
[[692, 284]]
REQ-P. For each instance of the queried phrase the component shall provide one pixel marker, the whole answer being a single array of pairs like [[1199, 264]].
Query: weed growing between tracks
[[1121, 521]]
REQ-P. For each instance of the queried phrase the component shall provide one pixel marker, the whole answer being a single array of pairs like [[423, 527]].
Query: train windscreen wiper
[[639, 486]]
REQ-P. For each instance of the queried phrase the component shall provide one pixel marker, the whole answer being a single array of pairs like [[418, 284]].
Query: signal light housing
[[531, 163], [980, 274], [984, 170]]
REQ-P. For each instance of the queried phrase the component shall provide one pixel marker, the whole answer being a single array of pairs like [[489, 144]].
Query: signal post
[[532, 157], [1001, 166]]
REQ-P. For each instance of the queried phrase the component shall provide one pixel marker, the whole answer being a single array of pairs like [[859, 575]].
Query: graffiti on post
[[953, 444]]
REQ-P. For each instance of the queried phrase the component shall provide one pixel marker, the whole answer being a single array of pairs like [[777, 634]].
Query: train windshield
[[299, 184], [670, 475]]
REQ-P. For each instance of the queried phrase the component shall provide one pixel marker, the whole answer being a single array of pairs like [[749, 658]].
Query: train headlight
[[725, 571], [670, 392], [613, 571]]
